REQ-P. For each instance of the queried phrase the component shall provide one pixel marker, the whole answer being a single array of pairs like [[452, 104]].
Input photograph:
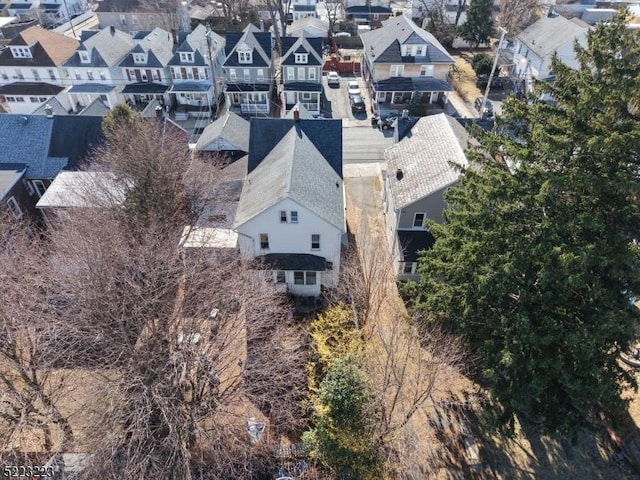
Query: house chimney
[[158, 112], [174, 34], [296, 115], [405, 114], [399, 174], [112, 29], [48, 110]]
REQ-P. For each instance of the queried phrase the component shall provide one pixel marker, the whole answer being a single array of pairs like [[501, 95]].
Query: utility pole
[[503, 32]]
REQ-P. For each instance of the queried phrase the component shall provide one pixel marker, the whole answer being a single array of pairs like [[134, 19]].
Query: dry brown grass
[[463, 78]]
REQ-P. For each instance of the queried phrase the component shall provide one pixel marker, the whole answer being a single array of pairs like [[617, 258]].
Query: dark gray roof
[[412, 84], [229, 130], [550, 33], [425, 157], [56, 107], [293, 45], [303, 113], [295, 169], [106, 49], [383, 44], [97, 108], [145, 88], [291, 261], [47, 145], [198, 41], [260, 42], [30, 88], [412, 242], [266, 133], [190, 87], [304, 8], [360, 9], [91, 88], [302, 87]]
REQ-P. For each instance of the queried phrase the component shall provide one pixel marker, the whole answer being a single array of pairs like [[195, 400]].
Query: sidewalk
[[457, 105]]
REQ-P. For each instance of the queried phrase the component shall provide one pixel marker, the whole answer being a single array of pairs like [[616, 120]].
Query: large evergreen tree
[[536, 260], [479, 24]]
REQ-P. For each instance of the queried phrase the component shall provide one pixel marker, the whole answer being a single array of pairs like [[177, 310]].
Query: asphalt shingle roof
[[293, 168], [30, 88], [48, 48], [106, 49], [260, 42], [231, 128], [550, 33], [383, 44], [293, 45], [158, 44], [47, 145], [292, 261], [198, 41], [425, 158]]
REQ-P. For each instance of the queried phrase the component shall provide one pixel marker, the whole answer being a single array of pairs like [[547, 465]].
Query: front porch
[[192, 99], [249, 99], [308, 95], [422, 95], [139, 95], [84, 94]]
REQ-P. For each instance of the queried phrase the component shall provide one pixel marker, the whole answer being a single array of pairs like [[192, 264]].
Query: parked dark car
[[488, 107], [357, 103]]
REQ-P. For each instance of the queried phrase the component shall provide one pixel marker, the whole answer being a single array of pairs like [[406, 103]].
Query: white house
[[534, 47], [291, 215]]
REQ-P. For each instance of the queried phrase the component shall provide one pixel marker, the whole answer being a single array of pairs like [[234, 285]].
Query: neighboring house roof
[[309, 27], [293, 168], [198, 42], [383, 44], [47, 145], [56, 108], [420, 164], [550, 33], [30, 88], [97, 108], [230, 130], [303, 113], [48, 48], [292, 45], [292, 261], [266, 133], [82, 189], [593, 15], [124, 6], [157, 44], [304, 8], [10, 174], [259, 42], [367, 10], [106, 48]]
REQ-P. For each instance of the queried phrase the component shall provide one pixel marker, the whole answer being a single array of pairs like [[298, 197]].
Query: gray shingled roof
[[383, 44], [107, 48], [56, 107], [292, 45], [293, 169], [550, 33], [198, 41], [425, 159], [231, 128], [158, 44]]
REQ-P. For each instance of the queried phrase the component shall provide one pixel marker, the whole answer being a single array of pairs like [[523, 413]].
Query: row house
[[300, 9], [145, 69], [30, 70], [94, 68], [404, 65], [133, 16], [248, 71], [301, 64], [196, 73]]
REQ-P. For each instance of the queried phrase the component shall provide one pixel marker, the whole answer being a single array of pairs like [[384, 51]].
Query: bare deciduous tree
[[516, 15]]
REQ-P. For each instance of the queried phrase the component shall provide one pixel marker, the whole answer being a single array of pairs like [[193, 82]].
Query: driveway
[[338, 106]]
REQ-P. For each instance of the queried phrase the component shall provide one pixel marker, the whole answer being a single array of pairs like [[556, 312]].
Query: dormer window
[[421, 51], [245, 54], [186, 57], [84, 56], [414, 50], [139, 58], [302, 57], [21, 52]]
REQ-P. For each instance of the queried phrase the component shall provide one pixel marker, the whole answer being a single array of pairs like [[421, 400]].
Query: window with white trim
[[418, 220], [396, 70], [14, 207], [103, 75], [4, 75], [310, 278], [260, 74], [84, 56], [302, 57], [78, 75], [421, 51], [245, 56], [232, 74], [376, 16], [123, 19], [89, 75], [315, 241], [294, 216], [408, 268], [29, 188], [304, 278], [280, 276], [312, 73], [21, 52], [247, 75], [186, 57], [283, 216], [426, 71], [301, 73], [19, 74], [52, 74], [306, 95], [36, 74], [291, 73], [139, 57], [39, 186], [264, 241]]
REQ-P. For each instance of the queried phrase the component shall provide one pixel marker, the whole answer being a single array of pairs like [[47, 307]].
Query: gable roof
[[260, 42], [107, 48], [47, 145], [231, 128], [198, 41], [56, 108], [158, 44], [424, 156], [293, 45], [383, 44], [294, 168], [325, 134], [550, 33], [304, 26], [48, 48]]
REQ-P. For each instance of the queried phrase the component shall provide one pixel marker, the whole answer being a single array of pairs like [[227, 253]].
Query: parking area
[[337, 103]]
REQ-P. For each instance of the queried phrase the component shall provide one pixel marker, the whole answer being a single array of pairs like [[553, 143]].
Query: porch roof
[[190, 87], [145, 88], [19, 6], [302, 87], [414, 84], [91, 88], [292, 261], [247, 87]]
